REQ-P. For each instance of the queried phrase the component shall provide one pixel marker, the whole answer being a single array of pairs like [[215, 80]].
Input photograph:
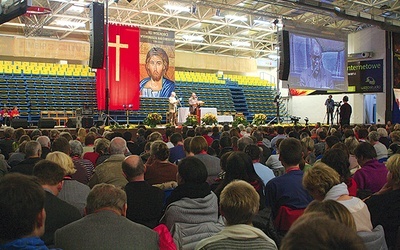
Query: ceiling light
[[192, 38], [177, 7], [69, 23], [262, 22], [241, 44], [236, 18]]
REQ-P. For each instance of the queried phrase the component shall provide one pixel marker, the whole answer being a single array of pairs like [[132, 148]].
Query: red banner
[[123, 70]]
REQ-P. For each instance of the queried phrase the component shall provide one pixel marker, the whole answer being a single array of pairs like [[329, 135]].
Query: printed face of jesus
[[155, 67]]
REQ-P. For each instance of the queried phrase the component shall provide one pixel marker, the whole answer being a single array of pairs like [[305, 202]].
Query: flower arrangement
[[209, 119], [259, 119], [119, 126], [191, 120], [239, 120], [152, 119]]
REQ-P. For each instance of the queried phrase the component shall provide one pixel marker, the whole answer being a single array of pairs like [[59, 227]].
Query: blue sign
[[366, 76]]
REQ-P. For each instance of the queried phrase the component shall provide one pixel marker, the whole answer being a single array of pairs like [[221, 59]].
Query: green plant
[[152, 119], [259, 119], [209, 119], [240, 120], [191, 120]]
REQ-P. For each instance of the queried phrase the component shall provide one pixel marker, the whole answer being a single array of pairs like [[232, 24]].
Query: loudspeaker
[[46, 123], [87, 122], [96, 35], [19, 123], [71, 123], [284, 55]]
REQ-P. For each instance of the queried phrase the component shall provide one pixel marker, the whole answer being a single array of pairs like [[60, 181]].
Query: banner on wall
[[365, 76], [157, 63], [123, 70]]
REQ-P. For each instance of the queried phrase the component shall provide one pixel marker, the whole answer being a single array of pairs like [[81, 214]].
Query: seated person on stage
[[145, 202], [5, 115], [239, 203], [22, 212], [194, 103], [105, 225], [156, 85], [14, 113]]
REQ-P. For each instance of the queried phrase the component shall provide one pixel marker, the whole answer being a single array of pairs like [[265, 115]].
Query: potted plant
[[152, 119], [239, 120], [209, 119], [191, 120], [259, 119]]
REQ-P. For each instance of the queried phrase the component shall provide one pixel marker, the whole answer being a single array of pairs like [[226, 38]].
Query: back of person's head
[[44, 141], [155, 136], [175, 138], [334, 210], [101, 145], [363, 133], [322, 135], [48, 172], [36, 133], [331, 140], [395, 136], [21, 204], [224, 160], [192, 170], [8, 132], [66, 135], [290, 152], [393, 165], [351, 144], [365, 150], [127, 136], [280, 130], [190, 133], [225, 142], [348, 133], [345, 98], [24, 138], [186, 144], [105, 196], [342, 147], [239, 202], [317, 231], [54, 133], [133, 166], [339, 161], [159, 150], [198, 144], [61, 144], [253, 151], [76, 148], [118, 146], [258, 135], [308, 143], [382, 132], [21, 147], [319, 179], [240, 166], [90, 138], [18, 133], [64, 160], [33, 149], [373, 136], [243, 142]]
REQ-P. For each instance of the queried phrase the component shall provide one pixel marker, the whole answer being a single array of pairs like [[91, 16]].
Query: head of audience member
[[214, 147], [243, 142], [81, 134], [8, 132], [50, 175], [159, 150], [318, 232], [64, 160], [330, 141], [66, 135], [382, 132], [373, 137], [225, 134], [334, 210], [36, 133], [290, 152], [352, 143], [54, 133], [24, 138], [186, 145], [21, 147], [339, 161], [215, 130], [395, 136], [101, 146], [363, 134], [61, 144], [155, 136], [307, 142], [76, 148], [22, 211], [44, 141], [321, 135], [176, 138], [198, 144], [33, 149], [364, 152], [239, 203], [90, 138], [106, 197], [393, 177], [190, 133], [225, 142], [18, 133], [224, 160], [191, 170], [319, 179], [234, 132], [280, 130], [118, 146], [133, 168], [253, 151]]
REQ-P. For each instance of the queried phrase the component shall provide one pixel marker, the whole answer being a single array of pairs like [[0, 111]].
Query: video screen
[[10, 9], [317, 63]]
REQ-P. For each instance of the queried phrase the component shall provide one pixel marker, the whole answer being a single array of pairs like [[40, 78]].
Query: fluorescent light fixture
[[273, 56], [241, 44], [74, 10], [177, 7], [262, 22], [69, 23], [236, 18], [192, 38]]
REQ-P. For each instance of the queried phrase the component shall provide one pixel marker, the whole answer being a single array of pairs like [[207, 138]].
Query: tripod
[[107, 119], [276, 101]]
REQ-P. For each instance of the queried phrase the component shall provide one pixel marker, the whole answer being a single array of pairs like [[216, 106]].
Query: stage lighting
[[130, 105]]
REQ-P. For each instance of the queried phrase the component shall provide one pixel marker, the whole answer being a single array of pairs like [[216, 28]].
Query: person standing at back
[[345, 112], [330, 106]]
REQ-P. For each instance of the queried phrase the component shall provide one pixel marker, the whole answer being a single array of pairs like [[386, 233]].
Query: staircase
[[239, 100]]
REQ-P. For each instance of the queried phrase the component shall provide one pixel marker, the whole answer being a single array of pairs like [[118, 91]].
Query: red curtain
[[123, 70]]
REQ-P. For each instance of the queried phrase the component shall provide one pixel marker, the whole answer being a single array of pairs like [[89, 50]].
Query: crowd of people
[[201, 188]]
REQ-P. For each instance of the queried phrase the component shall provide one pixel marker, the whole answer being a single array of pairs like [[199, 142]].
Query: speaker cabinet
[[87, 122], [19, 123], [71, 123], [46, 123], [284, 55], [96, 16]]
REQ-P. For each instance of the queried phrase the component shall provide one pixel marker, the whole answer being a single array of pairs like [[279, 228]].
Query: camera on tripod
[[337, 104]]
